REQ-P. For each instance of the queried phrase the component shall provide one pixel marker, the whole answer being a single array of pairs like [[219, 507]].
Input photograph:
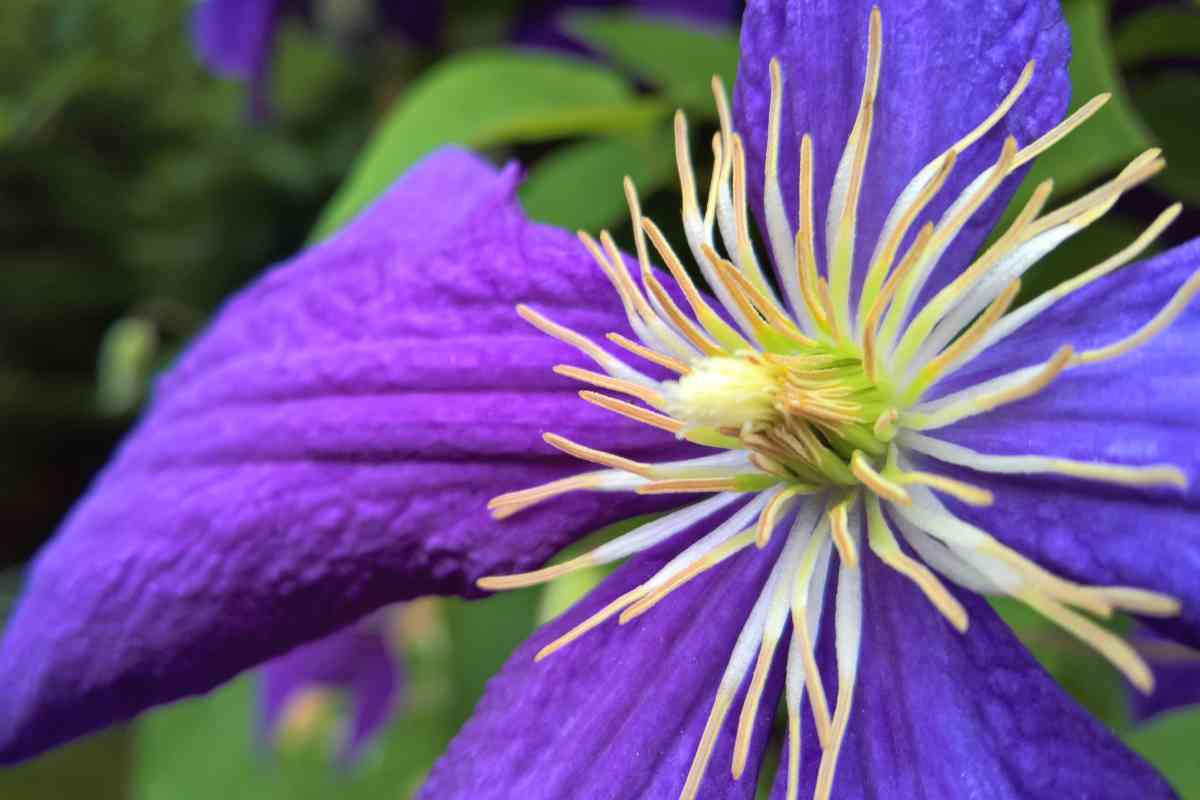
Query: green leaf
[[484, 99], [1116, 134], [96, 768], [680, 60], [1161, 32], [578, 186], [202, 748], [1169, 743], [1167, 99]]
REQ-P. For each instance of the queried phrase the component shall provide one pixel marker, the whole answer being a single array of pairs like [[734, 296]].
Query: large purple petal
[[946, 65], [618, 713], [325, 448], [938, 714], [357, 660], [1138, 409]]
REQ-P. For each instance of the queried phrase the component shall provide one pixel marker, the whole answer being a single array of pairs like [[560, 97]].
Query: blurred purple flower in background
[[236, 38], [358, 660]]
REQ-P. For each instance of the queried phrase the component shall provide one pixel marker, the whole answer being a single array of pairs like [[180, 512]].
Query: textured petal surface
[[325, 448], [1138, 409], [618, 713], [356, 660], [938, 714], [946, 66]]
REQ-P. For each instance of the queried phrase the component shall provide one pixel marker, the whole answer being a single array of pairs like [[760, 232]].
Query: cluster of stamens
[[814, 407]]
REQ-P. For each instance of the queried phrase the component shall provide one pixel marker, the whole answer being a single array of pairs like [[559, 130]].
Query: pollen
[[726, 392]]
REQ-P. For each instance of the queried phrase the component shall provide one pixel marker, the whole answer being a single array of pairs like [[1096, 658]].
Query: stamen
[[1119, 652], [1018, 318], [841, 225], [738, 283], [977, 330], [806, 616], [880, 485], [776, 618], [601, 457], [613, 366], [770, 515], [746, 258], [779, 231], [653, 356], [590, 623], [1061, 130], [716, 327], [689, 485], [883, 543], [805, 245], [646, 395], [1157, 325], [1150, 475], [839, 523], [660, 421], [882, 261], [680, 320], [969, 402], [871, 326], [961, 490], [739, 664], [505, 505], [848, 622], [701, 565], [635, 541]]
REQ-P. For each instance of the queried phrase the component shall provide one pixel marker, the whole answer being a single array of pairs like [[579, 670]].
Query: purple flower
[[325, 448], [357, 660], [1176, 676], [873, 447], [236, 38]]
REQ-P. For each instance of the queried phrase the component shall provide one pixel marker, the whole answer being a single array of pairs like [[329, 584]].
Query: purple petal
[[1176, 677], [618, 713], [946, 65], [942, 714], [236, 38], [325, 448], [356, 659], [1138, 409]]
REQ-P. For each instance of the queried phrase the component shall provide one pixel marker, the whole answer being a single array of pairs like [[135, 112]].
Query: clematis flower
[[890, 437], [236, 38], [1176, 676], [875, 446], [357, 660]]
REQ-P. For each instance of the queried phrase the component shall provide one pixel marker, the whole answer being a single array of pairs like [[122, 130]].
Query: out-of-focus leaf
[[484, 99], [1168, 101], [1169, 742], [96, 768], [127, 357], [484, 633], [681, 60], [203, 748], [1115, 134], [1159, 32], [579, 186], [1087, 676]]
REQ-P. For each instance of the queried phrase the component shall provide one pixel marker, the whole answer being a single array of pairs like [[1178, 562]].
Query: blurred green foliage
[[135, 196]]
